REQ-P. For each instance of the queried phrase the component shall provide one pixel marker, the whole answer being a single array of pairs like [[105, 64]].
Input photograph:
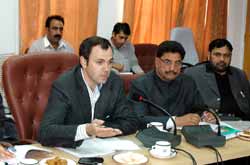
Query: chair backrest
[[146, 55], [185, 37], [27, 82], [127, 78]]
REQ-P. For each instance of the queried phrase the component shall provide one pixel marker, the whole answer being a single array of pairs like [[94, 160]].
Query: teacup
[[162, 148], [158, 125]]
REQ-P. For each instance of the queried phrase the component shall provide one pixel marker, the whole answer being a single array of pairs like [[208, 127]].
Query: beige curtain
[[152, 20], [80, 18]]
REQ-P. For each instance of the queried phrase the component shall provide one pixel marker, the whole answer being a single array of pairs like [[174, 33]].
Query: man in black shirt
[[168, 87], [222, 86]]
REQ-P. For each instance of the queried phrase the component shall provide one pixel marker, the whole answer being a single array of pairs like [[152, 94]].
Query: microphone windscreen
[[137, 97]]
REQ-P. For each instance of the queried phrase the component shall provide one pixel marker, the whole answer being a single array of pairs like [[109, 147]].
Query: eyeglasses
[[57, 28], [225, 55], [169, 63]]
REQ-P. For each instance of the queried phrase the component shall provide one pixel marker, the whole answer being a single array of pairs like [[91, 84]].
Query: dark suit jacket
[[207, 85], [69, 106], [178, 97]]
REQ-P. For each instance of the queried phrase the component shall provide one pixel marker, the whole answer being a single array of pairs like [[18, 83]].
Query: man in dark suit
[[168, 87], [222, 86], [87, 101]]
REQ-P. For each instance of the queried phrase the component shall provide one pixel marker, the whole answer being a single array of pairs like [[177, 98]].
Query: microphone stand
[[150, 135], [216, 118]]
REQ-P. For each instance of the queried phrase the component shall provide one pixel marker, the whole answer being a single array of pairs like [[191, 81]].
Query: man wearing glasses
[[52, 41], [222, 86], [167, 87]]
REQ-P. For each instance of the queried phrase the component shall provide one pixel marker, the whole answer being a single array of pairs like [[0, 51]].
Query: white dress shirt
[[93, 96]]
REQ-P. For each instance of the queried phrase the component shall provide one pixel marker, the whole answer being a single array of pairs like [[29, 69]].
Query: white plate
[[69, 161], [130, 158], [173, 154]]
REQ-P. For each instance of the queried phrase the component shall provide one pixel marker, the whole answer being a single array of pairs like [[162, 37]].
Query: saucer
[[172, 154], [28, 161]]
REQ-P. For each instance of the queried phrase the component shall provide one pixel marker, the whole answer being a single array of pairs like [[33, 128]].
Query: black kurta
[[178, 97]]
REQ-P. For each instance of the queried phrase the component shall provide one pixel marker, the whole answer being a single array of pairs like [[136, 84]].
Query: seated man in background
[[87, 101], [52, 41], [125, 59], [167, 87], [222, 86]]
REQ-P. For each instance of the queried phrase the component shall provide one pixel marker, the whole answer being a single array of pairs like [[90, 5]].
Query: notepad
[[229, 132]]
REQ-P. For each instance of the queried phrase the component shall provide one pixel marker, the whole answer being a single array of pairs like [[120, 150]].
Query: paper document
[[98, 147], [240, 125]]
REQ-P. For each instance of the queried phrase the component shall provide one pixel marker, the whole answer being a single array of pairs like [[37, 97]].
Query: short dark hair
[[170, 46], [122, 27], [219, 43], [50, 18], [87, 45]]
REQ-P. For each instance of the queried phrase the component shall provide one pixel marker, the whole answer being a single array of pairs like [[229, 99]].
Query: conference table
[[234, 148]]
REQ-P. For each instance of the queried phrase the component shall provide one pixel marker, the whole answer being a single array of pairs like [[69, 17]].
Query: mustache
[[171, 72], [57, 36], [221, 64]]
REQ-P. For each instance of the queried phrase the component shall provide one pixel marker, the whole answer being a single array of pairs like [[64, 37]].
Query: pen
[[204, 116], [107, 117]]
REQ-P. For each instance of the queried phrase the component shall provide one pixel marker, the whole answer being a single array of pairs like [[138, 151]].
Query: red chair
[[27, 81], [146, 55], [127, 78]]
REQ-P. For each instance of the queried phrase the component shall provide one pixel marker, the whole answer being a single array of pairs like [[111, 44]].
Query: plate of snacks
[[57, 161], [130, 158]]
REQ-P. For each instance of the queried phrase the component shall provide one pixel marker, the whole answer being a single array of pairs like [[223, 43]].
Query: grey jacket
[[207, 85]]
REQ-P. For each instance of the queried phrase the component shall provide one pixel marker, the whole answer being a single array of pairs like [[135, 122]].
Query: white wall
[[9, 29], [109, 13], [236, 24]]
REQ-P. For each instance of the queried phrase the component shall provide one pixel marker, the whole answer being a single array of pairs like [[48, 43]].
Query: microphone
[[140, 98], [148, 136], [203, 135]]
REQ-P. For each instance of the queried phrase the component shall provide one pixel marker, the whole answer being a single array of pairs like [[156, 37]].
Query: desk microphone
[[139, 98], [174, 139], [203, 135]]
